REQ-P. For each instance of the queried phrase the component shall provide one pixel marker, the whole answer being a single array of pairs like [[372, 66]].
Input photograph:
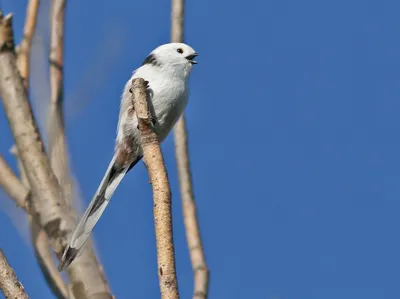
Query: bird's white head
[[176, 57]]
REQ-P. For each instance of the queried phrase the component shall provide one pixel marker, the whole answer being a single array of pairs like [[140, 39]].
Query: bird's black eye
[[180, 50]]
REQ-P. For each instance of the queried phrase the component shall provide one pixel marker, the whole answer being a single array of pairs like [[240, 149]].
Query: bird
[[167, 70]]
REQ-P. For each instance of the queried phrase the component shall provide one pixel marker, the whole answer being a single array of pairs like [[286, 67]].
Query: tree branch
[[58, 154], [13, 186], [40, 241], [9, 282], [177, 19], [154, 162], [199, 266], [39, 238], [46, 260], [57, 141], [30, 147], [24, 50], [55, 214]]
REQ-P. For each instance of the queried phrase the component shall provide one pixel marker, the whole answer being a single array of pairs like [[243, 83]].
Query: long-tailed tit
[[167, 70]]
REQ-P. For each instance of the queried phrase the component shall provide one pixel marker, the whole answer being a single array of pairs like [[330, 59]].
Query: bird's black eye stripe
[[151, 59], [179, 50]]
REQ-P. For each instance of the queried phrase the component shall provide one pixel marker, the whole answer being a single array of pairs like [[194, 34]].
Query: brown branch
[[59, 156], [13, 186], [57, 140], [177, 19], [40, 241], [154, 162], [199, 265], [46, 260], [9, 282], [24, 49], [39, 238], [49, 203], [55, 214]]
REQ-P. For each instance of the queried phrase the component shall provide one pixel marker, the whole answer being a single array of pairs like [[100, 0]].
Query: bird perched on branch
[[167, 71]]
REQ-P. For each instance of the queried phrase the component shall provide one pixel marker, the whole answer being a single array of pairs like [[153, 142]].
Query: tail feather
[[110, 182]]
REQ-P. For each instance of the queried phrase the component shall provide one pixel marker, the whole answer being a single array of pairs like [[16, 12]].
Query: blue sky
[[294, 141]]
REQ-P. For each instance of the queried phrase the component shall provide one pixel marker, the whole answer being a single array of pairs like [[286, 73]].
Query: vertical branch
[[57, 141], [9, 282], [199, 266], [39, 238], [154, 162], [26, 134], [177, 18], [24, 49], [46, 260], [19, 192], [55, 213], [86, 268]]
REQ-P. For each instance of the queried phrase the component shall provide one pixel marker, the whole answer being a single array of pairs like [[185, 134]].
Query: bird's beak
[[191, 57]]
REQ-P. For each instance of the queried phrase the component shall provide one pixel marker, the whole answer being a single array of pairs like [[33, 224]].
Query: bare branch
[[9, 282], [24, 49], [55, 213], [46, 260], [199, 266], [41, 244], [86, 268], [177, 19], [154, 162], [49, 202], [39, 238], [57, 141], [13, 186]]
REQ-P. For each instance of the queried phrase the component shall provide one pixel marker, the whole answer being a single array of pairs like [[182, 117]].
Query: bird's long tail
[[110, 182]]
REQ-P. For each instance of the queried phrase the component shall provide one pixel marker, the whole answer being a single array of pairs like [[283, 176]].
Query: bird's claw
[[153, 121]]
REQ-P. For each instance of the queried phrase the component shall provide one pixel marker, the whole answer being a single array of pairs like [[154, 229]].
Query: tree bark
[[9, 282], [55, 213], [154, 162], [199, 265]]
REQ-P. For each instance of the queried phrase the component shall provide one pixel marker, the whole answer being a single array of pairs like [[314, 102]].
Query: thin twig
[[39, 238], [13, 186], [57, 140], [9, 282], [55, 213], [199, 265], [24, 50], [46, 260], [177, 21], [50, 205], [58, 153], [40, 241], [154, 162]]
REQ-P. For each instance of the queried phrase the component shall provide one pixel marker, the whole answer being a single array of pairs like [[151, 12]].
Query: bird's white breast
[[168, 95]]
